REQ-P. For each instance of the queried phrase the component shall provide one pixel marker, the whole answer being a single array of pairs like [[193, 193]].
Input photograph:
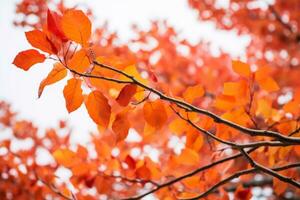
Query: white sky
[[20, 88]]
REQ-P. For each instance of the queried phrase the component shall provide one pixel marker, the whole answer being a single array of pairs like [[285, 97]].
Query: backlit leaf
[[188, 157], [98, 108], [121, 126], [73, 94], [38, 39], [155, 113], [76, 26], [57, 73], [54, 25], [241, 68], [65, 157], [127, 92], [193, 92], [268, 84], [79, 62], [26, 59]]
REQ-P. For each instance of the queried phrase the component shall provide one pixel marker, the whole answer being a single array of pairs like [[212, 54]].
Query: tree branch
[[269, 171], [238, 174], [232, 144], [189, 107]]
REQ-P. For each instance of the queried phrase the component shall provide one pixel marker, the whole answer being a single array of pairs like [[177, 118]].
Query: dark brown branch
[[279, 19], [269, 171], [140, 181], [232, 144], [203, 168], [56, 191], [238, 174], [187, 106]]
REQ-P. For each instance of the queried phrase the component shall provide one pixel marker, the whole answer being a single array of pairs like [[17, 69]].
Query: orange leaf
[[188, 157], [80, 169], [79, 62], [238, 89], [25, 59], [191, 182], [56, 74], [193, 92], [127, 92], [143, 172], [279, 186], [98, 108], [225, 102], [297, 150], [38, 39], [155, 113], [65, 157], [121, 126], [73, 94], [241, 68], [82, 152], [76, 26], [268, 84]]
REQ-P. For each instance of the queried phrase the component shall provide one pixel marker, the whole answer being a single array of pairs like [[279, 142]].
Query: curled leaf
[[57, 73]]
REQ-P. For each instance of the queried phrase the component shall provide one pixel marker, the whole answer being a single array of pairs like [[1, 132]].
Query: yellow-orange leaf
[[121, 126], [38, 39], [241, 68], [98, 108], [79, 62], [188, 157], [76, 26], [238, 89], [193, 92], [268, 84], [25, 59], [155, 113], [127, 92], [57, 73], [225, 102], [65, 157], [192, 182], [73, 94]]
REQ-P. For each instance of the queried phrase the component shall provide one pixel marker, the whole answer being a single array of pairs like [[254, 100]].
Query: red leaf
[[121, 126], [53, 25], [127, 92], [26, 59], [39, 39]]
